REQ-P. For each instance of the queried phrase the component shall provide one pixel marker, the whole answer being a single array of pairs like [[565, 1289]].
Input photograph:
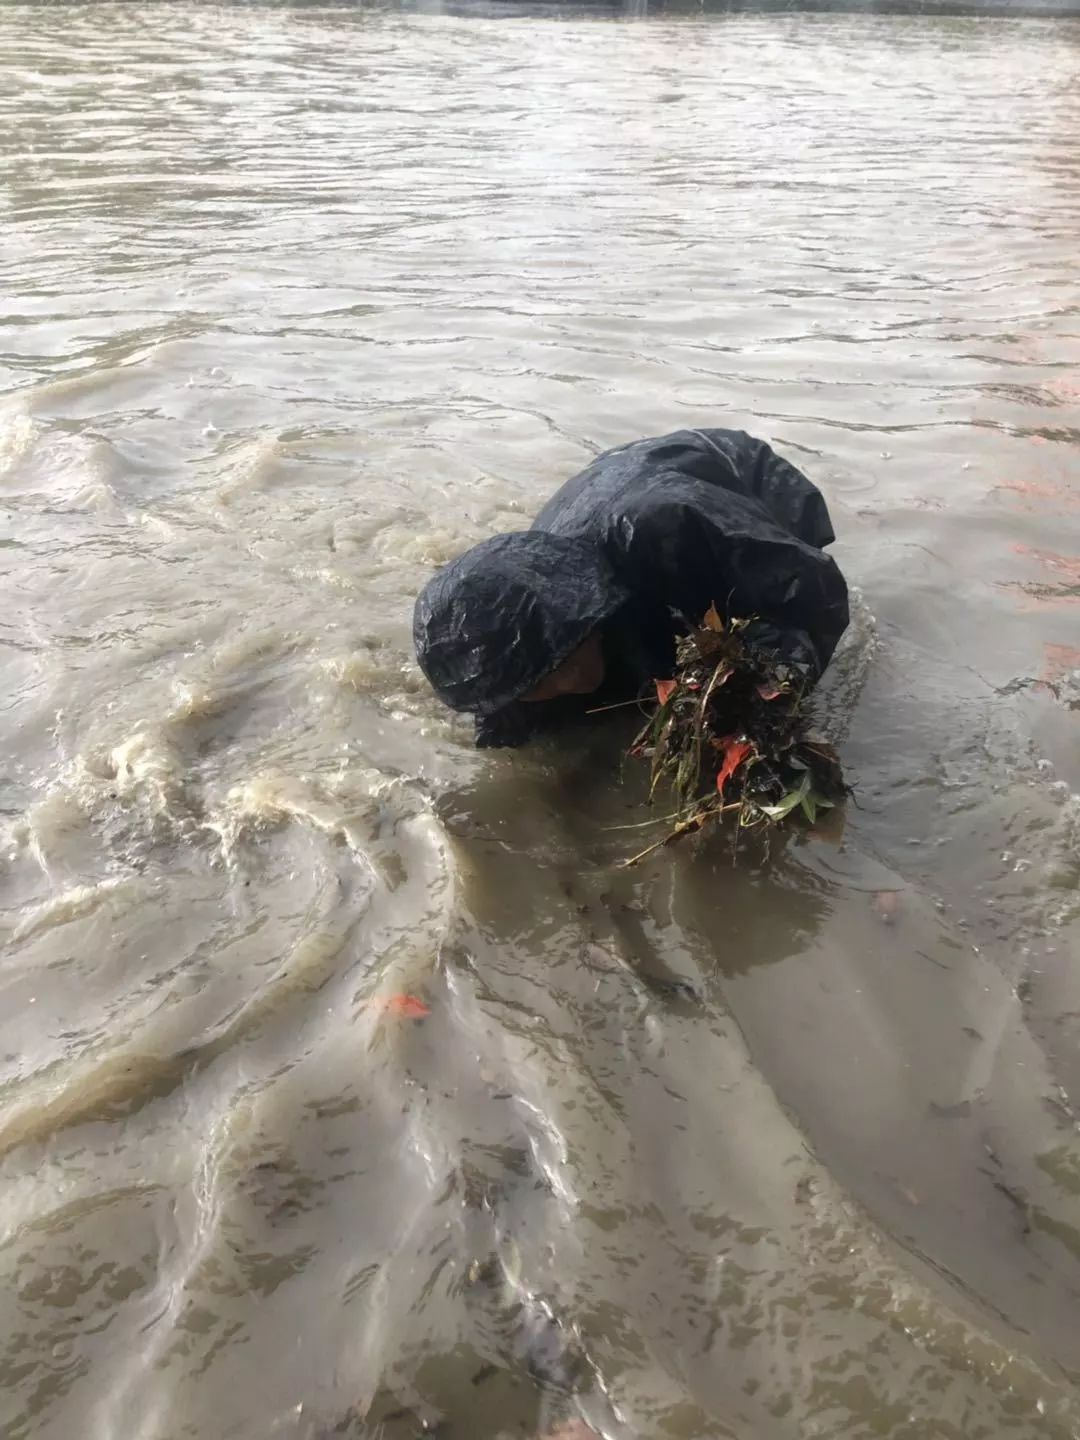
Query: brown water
[[296, 305]]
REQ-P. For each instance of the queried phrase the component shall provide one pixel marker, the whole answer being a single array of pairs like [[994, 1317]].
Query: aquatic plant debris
[[731, 737]]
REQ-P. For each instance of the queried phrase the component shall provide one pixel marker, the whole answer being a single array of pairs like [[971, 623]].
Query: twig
[[619, 705], [699, 719], [644, 824], [667, 840], [695, 822]]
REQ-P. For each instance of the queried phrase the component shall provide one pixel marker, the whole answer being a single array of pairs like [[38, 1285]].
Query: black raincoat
[[638, 545]]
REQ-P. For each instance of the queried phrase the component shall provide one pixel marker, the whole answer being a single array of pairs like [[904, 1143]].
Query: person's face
[[580, 674]]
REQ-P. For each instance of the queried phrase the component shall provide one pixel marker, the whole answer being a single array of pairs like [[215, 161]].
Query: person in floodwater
[[582, 610]]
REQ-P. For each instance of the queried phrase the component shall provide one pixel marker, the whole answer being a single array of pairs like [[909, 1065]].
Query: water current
[[349, 1088]]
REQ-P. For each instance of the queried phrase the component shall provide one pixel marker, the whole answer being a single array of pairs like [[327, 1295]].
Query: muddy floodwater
[[347, 1085]]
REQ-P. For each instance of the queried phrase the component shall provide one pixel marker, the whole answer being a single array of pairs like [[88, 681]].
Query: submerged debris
[[731, 737]]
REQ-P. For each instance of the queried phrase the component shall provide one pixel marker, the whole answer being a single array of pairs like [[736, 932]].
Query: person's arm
[[753, 468], [689, 545]]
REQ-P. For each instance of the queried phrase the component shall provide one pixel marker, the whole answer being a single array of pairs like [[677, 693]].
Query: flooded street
[[349, 1088]]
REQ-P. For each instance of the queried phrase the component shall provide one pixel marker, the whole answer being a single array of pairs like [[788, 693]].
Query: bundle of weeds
[[732, 738]]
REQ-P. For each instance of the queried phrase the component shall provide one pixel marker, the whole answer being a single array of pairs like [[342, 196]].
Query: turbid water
[[349, 1088]]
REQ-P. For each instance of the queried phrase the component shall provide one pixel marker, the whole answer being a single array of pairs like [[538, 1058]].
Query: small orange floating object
[[886, 904], [665, 689], [409, 1007]]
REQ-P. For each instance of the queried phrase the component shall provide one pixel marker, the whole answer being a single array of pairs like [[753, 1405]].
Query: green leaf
[[793, 798], [783, 808]]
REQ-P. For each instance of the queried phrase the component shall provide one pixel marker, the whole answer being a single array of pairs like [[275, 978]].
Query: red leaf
[[665, 689], [712, 620], [409, 1007], [735, 752], [769, 692]]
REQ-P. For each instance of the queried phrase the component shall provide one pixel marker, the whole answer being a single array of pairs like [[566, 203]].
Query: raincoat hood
[[497, 620]]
